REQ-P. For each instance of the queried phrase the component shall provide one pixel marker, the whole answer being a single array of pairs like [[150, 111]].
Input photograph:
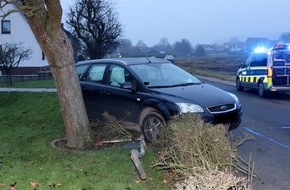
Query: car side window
[[81, 69], [96, 73], [119, 75], [248, 61], [253, 62], [259, 60], [262, 60]]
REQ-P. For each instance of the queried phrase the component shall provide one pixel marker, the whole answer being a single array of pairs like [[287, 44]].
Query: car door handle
[[106, 93]]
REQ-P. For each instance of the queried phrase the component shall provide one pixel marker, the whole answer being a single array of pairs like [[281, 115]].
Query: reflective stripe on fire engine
[[266, 80], [252, 79]]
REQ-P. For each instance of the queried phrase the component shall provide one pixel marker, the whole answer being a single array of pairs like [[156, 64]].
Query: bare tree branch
[[11, 55], [23, 6], [95, 23]]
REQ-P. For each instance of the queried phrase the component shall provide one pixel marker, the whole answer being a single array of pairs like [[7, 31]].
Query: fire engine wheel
[[261, 90], [238, 85], [151, 123]]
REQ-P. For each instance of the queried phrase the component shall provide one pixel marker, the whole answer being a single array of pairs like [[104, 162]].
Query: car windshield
[[158, 75]]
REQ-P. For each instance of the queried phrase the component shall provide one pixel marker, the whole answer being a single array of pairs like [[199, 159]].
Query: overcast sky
[[200, 21]]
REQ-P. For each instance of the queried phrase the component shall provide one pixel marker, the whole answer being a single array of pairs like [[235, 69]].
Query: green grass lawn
[[29, 122]]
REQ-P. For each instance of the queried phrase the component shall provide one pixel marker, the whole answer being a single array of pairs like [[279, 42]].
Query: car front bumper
[[233, 118]]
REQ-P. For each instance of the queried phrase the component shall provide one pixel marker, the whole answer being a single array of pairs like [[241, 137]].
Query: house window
[[43, 56], [6, 27]]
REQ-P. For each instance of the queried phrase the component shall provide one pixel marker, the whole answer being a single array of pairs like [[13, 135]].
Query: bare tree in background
[[125, 48], [44, 18], [285, 37], [163, 45], [182, 48], [11, 54], [95, 23]]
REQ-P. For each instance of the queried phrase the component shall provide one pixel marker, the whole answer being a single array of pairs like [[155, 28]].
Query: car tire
[[238, 85], [261, 90], [233, 125], [151, 123]]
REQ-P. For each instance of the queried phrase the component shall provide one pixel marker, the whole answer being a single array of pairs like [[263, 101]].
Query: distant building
[[235, 47], [168, 56], [152, 53], [15, 29], [162, 54], [253, 42], [201, 50]]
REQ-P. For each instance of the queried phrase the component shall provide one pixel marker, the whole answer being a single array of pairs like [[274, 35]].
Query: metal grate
[[221, 108]]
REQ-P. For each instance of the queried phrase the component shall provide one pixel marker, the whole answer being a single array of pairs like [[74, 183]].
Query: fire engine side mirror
[[242, 65]]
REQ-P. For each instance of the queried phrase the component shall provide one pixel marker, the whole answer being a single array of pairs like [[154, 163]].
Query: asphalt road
[[268, 121]]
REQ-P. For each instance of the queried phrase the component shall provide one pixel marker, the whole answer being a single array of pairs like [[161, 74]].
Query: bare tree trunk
[[45, 23], [60, 56], [10, 79], [7, 79], [76, 123]]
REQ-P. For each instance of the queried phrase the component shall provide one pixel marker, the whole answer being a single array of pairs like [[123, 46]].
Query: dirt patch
[[106, 134], [61, 144]]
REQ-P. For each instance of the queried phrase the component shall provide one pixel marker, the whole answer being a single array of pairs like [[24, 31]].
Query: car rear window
[[96, 73]]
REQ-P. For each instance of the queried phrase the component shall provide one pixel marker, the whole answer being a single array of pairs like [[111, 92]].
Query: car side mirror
[[128, 86], [242, 66]]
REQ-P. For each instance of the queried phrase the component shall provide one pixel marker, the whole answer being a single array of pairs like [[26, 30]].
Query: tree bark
[[45, 23]]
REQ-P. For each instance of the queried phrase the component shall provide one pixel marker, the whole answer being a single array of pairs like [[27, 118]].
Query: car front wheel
[[238, 85], [151, 124]]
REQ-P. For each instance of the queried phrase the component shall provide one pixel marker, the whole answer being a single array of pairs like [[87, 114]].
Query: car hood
[[202, 94]]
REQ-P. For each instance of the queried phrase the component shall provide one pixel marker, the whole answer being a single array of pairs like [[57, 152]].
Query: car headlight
[[235, 98], [189, 108]]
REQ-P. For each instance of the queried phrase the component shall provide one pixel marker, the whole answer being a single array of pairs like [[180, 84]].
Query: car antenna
[[144, 54]]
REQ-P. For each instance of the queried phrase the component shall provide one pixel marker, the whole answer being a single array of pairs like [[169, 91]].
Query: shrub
[[197, 151]]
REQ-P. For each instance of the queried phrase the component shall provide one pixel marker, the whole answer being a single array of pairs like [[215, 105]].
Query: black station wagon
[[145, 93]]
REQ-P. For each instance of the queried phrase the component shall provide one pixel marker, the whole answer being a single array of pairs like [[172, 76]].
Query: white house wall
[[21, 32]]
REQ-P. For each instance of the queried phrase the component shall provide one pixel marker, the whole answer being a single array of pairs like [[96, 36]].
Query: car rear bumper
[[279, 89]]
